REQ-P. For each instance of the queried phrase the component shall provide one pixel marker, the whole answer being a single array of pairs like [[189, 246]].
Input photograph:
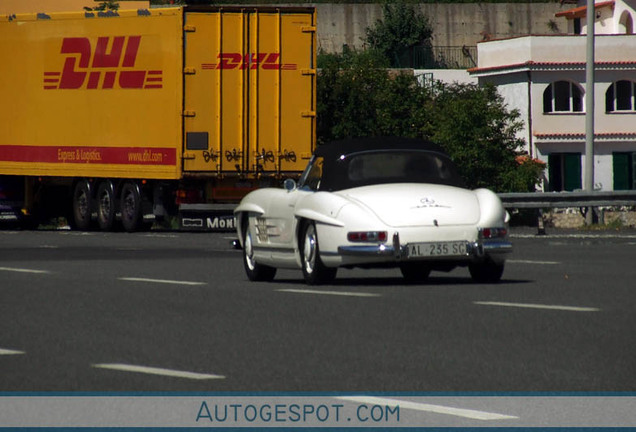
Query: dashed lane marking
[[157, 235], [438, 409], [335, 293], [161, 281], [10, 352], [157, 371], [23, 270], [532, 262], [575, 236], [539, 306]]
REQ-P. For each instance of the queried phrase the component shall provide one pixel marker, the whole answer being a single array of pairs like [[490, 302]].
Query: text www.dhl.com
[[145, 156]]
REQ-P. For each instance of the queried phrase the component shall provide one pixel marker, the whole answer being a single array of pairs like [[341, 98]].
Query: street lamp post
[[589, 106]]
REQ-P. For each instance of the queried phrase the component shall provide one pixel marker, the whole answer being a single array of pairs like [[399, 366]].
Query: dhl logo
[[111, 65], [266, 61]]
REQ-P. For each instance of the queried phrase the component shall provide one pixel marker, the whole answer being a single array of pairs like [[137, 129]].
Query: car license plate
[[436, 249]]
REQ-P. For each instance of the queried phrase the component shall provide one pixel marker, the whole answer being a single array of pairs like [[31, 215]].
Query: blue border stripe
[[315, 394], [323, 429]]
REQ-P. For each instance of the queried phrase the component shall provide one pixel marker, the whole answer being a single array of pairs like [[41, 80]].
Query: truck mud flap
[[207, 217]]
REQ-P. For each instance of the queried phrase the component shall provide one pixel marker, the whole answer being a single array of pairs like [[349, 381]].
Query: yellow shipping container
[[163, 94]]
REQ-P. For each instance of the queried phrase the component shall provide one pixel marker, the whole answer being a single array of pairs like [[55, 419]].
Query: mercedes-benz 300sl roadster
[[374, 202]]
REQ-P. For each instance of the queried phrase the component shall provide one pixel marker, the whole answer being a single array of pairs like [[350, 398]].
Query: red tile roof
[[581, 11], [581, 136], [552, 65]]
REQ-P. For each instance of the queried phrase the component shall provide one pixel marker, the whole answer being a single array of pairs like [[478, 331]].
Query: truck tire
[[106, 205], [82, 205], [130, 206]]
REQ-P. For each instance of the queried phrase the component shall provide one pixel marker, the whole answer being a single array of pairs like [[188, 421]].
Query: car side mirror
[[289, 184]]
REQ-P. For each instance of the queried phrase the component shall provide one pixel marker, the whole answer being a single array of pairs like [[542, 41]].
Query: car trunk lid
[[402, 205]]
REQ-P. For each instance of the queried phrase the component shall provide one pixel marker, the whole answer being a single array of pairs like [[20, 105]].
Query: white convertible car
[[374, 202]]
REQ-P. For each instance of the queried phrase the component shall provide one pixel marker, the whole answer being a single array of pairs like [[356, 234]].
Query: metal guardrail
[[541, 200], [549, 200]]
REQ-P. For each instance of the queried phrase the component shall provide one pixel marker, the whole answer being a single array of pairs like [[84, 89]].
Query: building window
[[577, 26], [624, 169], [564, 170], [620, 96], [563, 96]]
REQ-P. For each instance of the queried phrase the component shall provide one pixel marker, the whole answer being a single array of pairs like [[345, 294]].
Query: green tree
[[108, 5], [349, 89], [401, 29], [358, 96], [480, 134]]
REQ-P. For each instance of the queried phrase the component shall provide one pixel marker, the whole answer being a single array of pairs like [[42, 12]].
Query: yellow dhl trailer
[[127, 115]]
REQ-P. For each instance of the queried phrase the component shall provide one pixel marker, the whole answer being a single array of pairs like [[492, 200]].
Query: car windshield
[[381, 167]]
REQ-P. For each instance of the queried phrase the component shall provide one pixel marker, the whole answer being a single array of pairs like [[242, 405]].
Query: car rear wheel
[[255, 271], [415, 271], [486, 272], [314, 270]]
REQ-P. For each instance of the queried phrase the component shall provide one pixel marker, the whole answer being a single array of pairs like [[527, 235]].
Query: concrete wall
[[454, 24]]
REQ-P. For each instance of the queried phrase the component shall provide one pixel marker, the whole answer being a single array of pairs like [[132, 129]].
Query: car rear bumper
[[396, 251]]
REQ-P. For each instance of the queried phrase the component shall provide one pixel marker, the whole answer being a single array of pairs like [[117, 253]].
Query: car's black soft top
[[335, 149], [336, 157]]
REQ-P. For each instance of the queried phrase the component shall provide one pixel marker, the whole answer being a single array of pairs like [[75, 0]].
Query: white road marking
[[162, 281], [23, 270], [156, 235], [438, 409], [10, 352], [540, 306], [157, 371], [336, 293], [532, 262]]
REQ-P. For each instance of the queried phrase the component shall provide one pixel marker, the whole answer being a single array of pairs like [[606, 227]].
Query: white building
[[544, 78]]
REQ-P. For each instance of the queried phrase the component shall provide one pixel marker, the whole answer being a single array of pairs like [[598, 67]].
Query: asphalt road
[[175, 312]]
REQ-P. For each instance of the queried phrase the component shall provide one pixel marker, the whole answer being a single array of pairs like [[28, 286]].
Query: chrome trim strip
[[500, 246], [366, 250], [273, 249]]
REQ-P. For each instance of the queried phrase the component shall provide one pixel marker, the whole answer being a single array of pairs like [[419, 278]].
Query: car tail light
[[490, 233], [367, 236]]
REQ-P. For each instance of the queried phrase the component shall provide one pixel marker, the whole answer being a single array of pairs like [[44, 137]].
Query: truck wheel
[[106, 205], [130, 206], [486, 272], [314, 270], [254, 270], [82, 205]]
